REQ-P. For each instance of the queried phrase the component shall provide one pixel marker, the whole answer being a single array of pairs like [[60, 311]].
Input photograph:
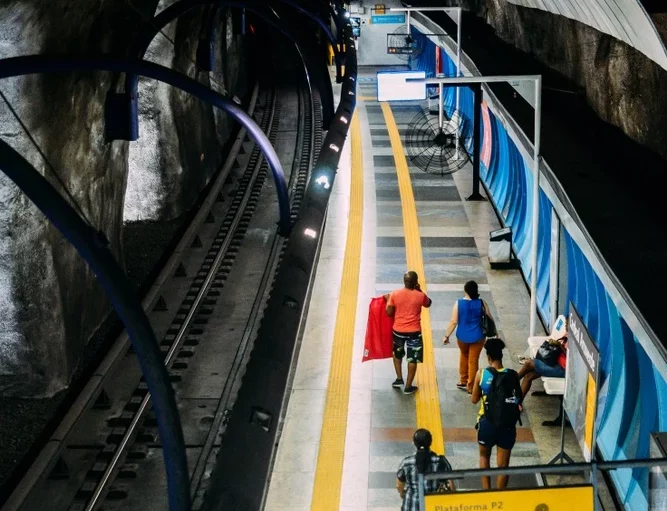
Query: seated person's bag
[[549, 351]]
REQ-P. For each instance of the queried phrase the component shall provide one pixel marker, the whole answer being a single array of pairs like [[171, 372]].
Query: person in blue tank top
[[467, 320]]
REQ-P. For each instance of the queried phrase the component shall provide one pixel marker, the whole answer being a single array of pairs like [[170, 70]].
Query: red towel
[[379, 341]]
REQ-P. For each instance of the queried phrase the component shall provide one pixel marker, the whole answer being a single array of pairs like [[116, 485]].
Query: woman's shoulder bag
[[488, 325]]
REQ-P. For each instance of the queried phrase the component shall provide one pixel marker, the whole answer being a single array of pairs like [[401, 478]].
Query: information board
[[565, 498], [395, 87], [581, 382]]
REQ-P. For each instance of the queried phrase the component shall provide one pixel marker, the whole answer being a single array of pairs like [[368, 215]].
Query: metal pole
[[562, 430], [477, 143], [441, 104], [594, 482], [458, 73], [536, 205], [242, 21]]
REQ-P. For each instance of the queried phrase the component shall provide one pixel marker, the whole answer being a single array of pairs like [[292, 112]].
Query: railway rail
[[206, 306]]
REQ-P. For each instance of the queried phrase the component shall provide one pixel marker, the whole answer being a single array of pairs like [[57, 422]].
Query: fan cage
[[406, 46], [432, 148]]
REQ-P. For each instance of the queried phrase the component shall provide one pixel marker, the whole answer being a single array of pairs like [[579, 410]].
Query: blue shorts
[[549, 371], [488, 435]]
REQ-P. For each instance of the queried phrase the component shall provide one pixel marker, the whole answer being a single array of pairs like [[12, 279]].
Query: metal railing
[[571, 468]]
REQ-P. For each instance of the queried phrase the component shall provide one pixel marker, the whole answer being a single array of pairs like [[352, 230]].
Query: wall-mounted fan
[[433, 148], [406, 42]]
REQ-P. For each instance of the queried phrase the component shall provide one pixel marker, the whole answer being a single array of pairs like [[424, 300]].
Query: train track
[[206, 307]]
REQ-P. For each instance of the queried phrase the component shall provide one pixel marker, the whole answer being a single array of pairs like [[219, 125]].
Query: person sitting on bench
[[551, 368]]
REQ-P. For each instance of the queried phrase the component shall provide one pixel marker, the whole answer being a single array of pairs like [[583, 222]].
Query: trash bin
[[501, 256]]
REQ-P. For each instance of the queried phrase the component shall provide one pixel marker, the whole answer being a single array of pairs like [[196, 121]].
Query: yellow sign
[[566, 498], [591, 400], [379, 8]]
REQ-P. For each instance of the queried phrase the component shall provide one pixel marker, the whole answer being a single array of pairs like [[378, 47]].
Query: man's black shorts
[[488, 434], [410, 342]]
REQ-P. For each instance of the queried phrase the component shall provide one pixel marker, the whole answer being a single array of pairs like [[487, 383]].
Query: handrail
[[563, 206], [548, 469]]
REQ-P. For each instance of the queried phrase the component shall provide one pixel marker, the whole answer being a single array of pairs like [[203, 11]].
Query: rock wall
[[181, 137], [50, 302], [624, 87]]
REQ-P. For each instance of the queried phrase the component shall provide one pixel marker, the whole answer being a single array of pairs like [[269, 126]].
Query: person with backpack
[[499, 389], [424, 461]]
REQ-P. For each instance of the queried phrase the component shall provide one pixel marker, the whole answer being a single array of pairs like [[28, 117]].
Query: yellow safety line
[[367, 98], [427, 401], [329, 471]]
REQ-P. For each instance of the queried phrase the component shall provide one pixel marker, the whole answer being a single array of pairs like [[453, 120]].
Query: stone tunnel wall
[[180, 137], [50, 302], [623, 86]]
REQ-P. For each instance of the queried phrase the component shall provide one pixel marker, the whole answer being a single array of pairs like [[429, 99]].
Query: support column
[[477, 144], [554, 267]]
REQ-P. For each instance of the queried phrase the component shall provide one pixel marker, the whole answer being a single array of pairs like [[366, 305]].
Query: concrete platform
[[380, 421]]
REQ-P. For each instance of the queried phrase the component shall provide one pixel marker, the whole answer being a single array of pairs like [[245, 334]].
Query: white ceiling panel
[[623, 19]]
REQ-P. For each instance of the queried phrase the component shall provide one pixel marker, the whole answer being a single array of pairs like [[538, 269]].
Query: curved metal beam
[[179, 8], [18, 66], [327, 31], [93, 248]]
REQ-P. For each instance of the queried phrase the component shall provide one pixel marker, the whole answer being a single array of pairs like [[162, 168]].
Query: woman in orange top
[[405, 306]]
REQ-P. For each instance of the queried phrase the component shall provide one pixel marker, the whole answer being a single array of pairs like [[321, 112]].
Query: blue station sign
[[386, 19]]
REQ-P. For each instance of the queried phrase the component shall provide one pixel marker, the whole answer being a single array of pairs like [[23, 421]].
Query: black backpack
[[443, 466], [502, 402]]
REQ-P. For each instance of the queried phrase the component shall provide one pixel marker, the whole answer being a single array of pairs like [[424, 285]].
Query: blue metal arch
[[93, 247], [174, 11], [327, 31]]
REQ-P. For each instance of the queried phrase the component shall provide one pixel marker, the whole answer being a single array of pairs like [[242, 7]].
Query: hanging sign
[[379, 8], [388, 19], [393, 86]]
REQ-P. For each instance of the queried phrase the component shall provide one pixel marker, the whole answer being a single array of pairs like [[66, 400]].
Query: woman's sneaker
[[398, 383], [410, 390]]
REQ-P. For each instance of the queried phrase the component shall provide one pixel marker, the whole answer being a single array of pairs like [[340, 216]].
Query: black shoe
[[398, 383], [462, 386], [410, 390]]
